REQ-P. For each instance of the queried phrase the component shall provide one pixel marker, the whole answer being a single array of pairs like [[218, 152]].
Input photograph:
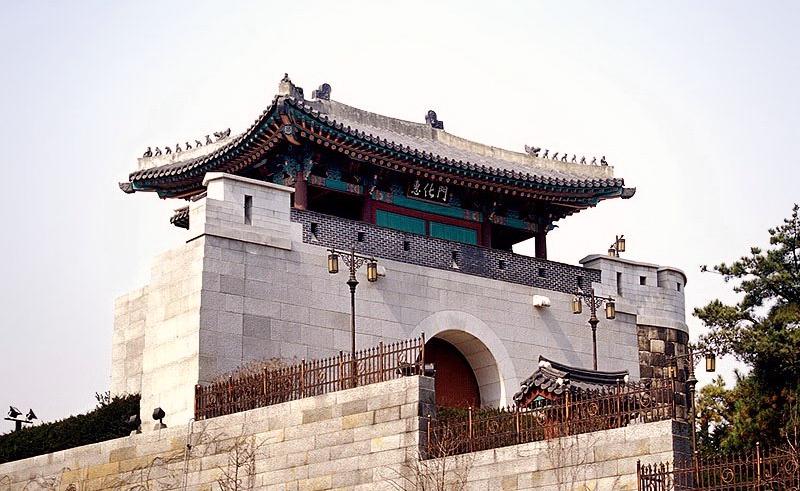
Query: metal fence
[[760, 470], [310, 378], [580, 411]]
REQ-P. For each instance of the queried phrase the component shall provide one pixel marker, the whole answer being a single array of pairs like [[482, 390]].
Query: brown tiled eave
[[185, 178], [546, 380]]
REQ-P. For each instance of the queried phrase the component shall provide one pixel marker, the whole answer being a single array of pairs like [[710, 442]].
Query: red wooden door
[[455, 384]]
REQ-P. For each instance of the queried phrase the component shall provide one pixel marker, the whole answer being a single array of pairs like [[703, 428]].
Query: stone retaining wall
[[367, 438], [348, 439]]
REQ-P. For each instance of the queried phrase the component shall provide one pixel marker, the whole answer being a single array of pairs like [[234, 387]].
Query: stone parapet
[[350, 439]]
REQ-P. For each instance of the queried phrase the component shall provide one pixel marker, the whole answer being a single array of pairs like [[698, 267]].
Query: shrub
[[106, 422]]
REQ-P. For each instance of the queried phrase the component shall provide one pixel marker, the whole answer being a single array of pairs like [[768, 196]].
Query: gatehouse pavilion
[[257, 214]]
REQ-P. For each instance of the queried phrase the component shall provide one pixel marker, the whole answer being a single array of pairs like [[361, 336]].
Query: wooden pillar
[[541, 244], [366, 209], [486, 233], [300, 191]]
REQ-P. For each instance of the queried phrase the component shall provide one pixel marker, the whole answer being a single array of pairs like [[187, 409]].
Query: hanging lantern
[[711, 362], [611, 310], [372, 271], [333, 263], [621, 243], [577, 306], [612, 252]]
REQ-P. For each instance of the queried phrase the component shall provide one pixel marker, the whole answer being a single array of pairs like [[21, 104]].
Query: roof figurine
[[533, 151], [289, 89], [603, 160], [147, 153], [188, 146], [178, 148], [322, 93], [158, 152], [383, 145], [221, 135], [198, 144], [431, 119], [167, 150]]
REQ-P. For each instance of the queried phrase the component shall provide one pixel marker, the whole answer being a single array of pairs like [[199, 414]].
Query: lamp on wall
[[595, 302], [617, 247], [611, 310], [333, 263], [372, 271], [577, 305], [353, 261], [711, 362]]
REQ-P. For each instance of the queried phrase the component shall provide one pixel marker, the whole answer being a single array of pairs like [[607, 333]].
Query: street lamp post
[[595, 302], [691, 382], [353, 261]]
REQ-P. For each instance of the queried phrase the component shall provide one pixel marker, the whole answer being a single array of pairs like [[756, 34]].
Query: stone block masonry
[[364, 438], [351, 439], [251, 283]]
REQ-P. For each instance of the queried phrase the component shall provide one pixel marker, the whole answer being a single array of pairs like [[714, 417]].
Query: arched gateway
[[456, 385], [467, 353]]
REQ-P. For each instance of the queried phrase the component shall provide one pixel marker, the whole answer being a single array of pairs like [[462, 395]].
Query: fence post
[[339, 370], [639, 474], [516, 424], [198, 395], [231, 407], [758, 465], [422, 355], [381, 362], [302, 378]]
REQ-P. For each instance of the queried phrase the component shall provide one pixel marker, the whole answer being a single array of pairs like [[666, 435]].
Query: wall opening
[[248, 209], [456, 385]]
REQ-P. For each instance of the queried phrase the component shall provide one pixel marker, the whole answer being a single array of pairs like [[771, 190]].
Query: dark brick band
[[331, 231]]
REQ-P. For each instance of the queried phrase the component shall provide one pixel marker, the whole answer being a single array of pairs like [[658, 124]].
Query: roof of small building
[[556, 378], [379, 139]]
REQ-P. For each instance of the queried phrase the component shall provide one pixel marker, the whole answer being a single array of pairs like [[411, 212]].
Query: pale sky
[[695, 103]]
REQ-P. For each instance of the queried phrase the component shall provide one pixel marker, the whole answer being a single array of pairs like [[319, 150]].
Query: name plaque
[[429, 191]]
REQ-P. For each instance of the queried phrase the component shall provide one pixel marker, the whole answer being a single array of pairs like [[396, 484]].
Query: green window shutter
[[454, 233], [399, 222]]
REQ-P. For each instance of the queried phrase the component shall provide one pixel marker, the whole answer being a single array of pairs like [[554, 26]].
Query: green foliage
[[106, 422], [763, 331]]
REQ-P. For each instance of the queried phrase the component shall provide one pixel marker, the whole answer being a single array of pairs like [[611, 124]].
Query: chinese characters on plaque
[[428, 190]]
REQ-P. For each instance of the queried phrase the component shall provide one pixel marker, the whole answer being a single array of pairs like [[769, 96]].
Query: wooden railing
[[459, 431], [760, 469], [310, 378]]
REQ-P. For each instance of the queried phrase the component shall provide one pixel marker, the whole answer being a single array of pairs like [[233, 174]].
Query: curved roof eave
[[183, 174]]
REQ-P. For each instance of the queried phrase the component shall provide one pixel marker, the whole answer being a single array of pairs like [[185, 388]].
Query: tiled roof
[[422, 143], [556, 378]]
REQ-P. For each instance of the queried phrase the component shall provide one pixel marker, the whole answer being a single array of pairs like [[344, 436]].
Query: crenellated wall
[[655, 295]]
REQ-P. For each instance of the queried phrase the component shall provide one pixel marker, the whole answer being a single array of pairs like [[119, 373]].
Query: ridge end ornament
[[433, 120]]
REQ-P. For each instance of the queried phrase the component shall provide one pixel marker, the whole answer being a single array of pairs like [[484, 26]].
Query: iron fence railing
[[455, 431], [757, 470], [310, 378]]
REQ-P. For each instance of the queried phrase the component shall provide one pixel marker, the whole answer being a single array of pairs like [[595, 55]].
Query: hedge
[[106, 422]]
